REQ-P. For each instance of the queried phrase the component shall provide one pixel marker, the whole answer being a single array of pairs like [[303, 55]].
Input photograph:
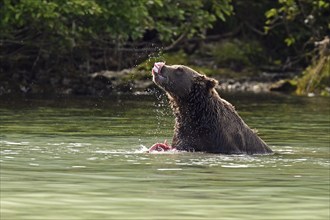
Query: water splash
[[156, 56]]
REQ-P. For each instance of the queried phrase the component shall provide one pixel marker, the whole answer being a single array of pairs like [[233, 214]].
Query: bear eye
[[179, 71]]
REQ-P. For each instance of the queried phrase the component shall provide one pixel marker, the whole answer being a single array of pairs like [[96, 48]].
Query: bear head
[[179, 80]]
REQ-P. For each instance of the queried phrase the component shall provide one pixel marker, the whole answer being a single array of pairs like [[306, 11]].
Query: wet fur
[[205, 122]]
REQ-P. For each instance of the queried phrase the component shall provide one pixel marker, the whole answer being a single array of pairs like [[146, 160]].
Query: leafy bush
[[237, 54], [41, 34], [299, 24]]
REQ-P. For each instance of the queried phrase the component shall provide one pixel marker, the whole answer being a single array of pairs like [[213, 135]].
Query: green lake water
[[83, 158]]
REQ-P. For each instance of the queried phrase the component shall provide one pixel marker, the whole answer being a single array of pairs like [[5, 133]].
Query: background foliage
[[37, 32], [41, 38], [299, 24]]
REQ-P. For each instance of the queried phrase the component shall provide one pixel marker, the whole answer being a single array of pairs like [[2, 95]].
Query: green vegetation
[[316, 77], [83, 34], [45, 41], [303, 24]]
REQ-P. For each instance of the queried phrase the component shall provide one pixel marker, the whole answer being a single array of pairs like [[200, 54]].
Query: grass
[[316, 78]]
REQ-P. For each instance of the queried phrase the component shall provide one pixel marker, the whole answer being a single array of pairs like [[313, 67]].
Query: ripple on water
[[8, 152], [284, 156], [8, 143]]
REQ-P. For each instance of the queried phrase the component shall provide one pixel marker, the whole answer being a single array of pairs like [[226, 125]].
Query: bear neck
[[195, 110]]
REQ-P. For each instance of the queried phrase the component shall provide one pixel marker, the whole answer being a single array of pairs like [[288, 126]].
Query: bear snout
[[159, 78], [157, 67]]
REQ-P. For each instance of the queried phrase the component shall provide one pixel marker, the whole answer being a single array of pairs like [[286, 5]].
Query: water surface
[[78, 158]]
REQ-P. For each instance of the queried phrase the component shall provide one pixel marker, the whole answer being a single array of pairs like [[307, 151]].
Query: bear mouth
[[158, 77]]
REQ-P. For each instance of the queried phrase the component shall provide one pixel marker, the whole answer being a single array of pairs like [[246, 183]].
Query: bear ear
[[206, 82], [210, 83]]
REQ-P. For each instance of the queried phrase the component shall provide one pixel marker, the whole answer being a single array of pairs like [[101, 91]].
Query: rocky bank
[[131, 81]]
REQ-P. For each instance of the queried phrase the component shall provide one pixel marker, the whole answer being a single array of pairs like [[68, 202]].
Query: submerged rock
[[286, 86]]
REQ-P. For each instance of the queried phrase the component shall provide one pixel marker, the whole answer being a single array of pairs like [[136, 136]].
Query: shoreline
[[130, 81]]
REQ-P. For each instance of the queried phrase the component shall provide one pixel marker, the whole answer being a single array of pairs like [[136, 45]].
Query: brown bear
[[203, 121]]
